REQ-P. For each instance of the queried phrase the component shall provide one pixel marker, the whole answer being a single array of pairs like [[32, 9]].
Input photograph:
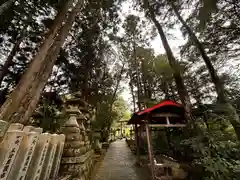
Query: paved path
[[119, 164]]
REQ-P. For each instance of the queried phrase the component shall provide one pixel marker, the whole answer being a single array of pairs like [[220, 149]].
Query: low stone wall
[[26, 153]]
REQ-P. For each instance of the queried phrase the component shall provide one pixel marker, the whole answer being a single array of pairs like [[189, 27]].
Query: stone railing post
[[39, 157], [58, 155], [26, 153], [8, 151]]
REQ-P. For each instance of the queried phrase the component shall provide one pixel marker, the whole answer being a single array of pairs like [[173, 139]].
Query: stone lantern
[[77, 155]]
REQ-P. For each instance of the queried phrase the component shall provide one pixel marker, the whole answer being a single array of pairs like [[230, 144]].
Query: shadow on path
[[119, 164]]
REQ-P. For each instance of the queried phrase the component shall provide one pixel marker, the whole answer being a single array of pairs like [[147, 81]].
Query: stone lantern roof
[[75, 101]]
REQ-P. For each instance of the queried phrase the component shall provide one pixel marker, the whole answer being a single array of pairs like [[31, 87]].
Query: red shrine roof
[[164, 107], [159, 105]]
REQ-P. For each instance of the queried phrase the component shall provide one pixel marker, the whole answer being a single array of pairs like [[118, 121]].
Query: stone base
[[79, 167]]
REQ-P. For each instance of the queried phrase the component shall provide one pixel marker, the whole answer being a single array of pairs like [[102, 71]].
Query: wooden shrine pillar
[[150, 150], [137, 143]]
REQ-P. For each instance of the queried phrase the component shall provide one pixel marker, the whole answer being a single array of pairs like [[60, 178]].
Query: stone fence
[[28, 154]]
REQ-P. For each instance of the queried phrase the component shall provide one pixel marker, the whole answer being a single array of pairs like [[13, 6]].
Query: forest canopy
[[50, 48]]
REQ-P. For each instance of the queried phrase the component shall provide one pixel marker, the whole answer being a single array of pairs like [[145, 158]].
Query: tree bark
[[5, 6], [222, 97], [23, 110], [182, 91]]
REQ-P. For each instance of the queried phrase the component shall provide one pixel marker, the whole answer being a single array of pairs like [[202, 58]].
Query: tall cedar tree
[[48, 64], [182, 91], [222, 97], [16, 108]]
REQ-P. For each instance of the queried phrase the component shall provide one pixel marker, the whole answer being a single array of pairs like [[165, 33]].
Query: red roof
[[161, 104]]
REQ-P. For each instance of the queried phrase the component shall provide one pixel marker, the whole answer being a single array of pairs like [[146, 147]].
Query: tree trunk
[[10, 57], [117, 86], [139, 87], [13, 103], [145, 83], [182, 91], [23, 110], [5, 6], [165, 89], [132, 92], [231, 111], [85, 91]]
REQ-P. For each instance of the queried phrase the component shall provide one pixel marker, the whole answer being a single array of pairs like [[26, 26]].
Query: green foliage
[[215, 153], [107, 116], [50, 114], [160, 143]]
